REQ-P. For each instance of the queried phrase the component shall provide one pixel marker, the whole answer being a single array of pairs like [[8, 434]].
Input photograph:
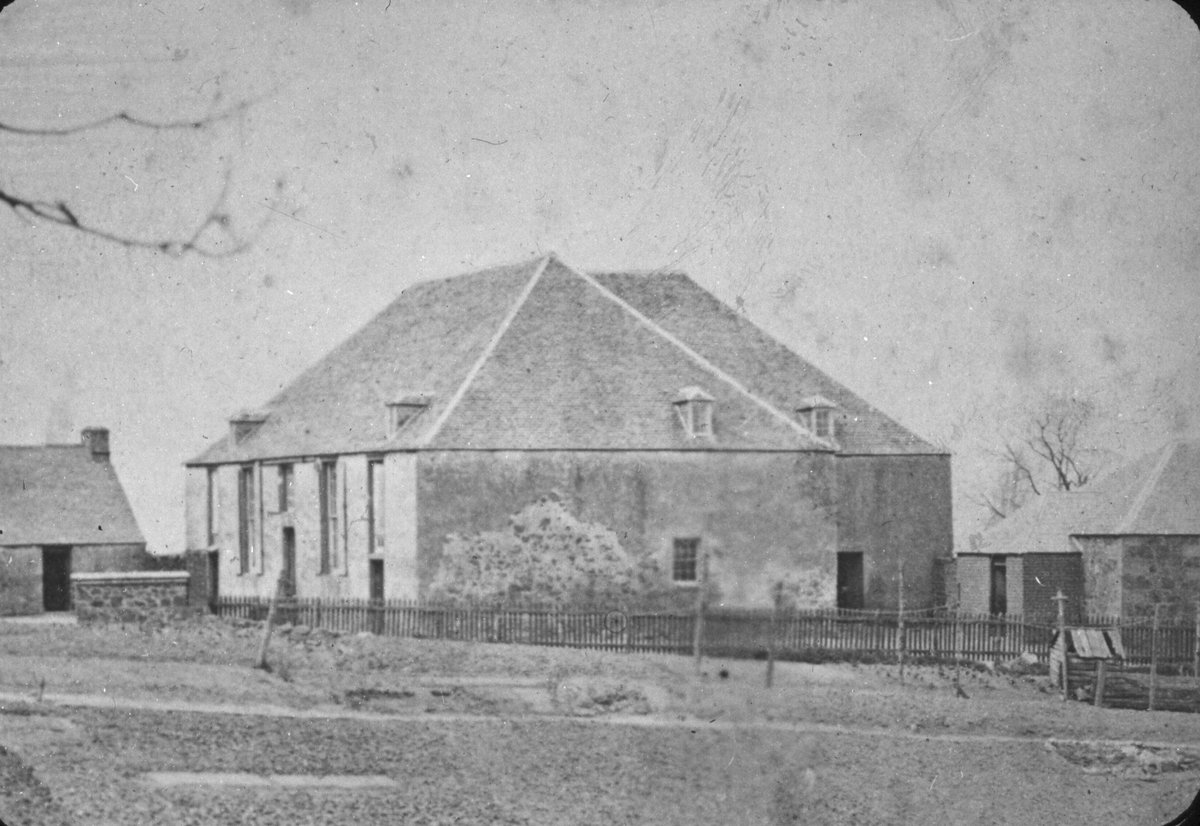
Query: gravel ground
[[938, 759], [493, 771]]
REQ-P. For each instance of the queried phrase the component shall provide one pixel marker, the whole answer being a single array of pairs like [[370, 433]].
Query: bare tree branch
[[216, 222], [130, 120]]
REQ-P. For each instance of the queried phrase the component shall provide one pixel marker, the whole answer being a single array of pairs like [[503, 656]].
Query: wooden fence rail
[[738, 633]]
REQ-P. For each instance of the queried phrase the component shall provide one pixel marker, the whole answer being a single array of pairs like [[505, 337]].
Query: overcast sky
[[951, 206]]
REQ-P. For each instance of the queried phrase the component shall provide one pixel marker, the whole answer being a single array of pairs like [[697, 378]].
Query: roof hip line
[[433, 431], [1148, 487], [699, 359]]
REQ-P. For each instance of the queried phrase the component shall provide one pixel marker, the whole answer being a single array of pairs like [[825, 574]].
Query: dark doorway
[[376, 570], [376, 579], [56, 578], [214, 572], [850, 581], [289, 562], [999, 596]]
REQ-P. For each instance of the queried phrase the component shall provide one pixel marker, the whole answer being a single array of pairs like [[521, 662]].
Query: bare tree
[[214, 234], [1047, 451]]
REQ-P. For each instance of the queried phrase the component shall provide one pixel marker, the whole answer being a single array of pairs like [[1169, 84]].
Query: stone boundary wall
[[132, 596]]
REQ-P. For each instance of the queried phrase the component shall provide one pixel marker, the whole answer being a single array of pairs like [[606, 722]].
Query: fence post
[[266, 638], [957, 650], [773, 641], [1059, 599], [1154, 656], [698, 627]]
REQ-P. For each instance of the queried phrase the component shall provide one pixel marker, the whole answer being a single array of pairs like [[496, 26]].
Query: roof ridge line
[[488, 350], [696, 357], [1148, 486]]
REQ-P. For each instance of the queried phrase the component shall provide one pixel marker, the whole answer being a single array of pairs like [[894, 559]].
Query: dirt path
[[693, 724]]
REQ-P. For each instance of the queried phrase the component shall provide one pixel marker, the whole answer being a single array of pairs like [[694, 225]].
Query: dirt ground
[[478, 733]]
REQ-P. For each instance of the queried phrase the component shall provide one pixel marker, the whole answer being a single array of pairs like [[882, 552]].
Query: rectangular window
[[683, 563], [285, 488], [246, 514], [211, 516], [375, 499], [822, 419], [999, 595], [328, 495]]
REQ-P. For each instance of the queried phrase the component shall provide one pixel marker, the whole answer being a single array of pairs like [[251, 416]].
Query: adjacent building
[[62, 511], [1120, 545], [639, 401]]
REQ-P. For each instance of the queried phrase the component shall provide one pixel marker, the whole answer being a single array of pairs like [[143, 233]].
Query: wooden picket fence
[[809, 634]]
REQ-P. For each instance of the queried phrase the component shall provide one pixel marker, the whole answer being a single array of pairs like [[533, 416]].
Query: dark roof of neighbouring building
[[541, 356], [60, 495], [1158, 494]]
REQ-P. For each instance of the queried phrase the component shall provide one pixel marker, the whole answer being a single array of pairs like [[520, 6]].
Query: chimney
[[95, 439]]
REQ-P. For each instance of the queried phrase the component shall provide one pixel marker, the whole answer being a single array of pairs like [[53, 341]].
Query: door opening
[[289, 562], [56, 578], [850, 581]]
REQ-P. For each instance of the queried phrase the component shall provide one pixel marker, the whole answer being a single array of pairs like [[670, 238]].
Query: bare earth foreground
[[135, 726]]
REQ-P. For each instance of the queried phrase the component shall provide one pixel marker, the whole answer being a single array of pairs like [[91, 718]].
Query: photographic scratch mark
[[491, 143], [300, 220], [132, 181]]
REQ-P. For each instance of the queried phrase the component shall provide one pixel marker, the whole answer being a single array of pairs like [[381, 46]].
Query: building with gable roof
[[639, 401], [1126, 541], [62, 511]]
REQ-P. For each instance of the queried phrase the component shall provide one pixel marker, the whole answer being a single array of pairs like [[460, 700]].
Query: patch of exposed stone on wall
[[132, 597], [809, 588]]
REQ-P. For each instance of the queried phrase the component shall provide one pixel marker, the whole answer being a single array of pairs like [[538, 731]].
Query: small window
[[246, 518], [816, 413], [327, 495], [694, 408], [211, 516], [285, 488], [375, 504], [822, 421], [404, 410], [684, 562]]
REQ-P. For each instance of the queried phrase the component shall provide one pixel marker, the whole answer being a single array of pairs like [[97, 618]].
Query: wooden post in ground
[[957, 650], [1101, 671], [774, 639], [266, 637], [1060, 599], [900, 628], [1154, 656], [698, 627]]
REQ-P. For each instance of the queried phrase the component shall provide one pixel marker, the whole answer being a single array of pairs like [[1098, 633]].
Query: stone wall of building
[[1160, 570], [20, 580], [1047, 574], [130, 597], [760, 518], [893, 508]]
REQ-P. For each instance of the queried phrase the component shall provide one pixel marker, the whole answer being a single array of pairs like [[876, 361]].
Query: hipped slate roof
[[541, 356], [1159, 494], [60, 495]]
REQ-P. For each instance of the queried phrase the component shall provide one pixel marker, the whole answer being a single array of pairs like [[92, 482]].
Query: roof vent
[[816, 413], [243, 424], [404, 409], [695, 410]]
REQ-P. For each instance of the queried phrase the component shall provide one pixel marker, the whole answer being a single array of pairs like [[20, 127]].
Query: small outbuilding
[[62, 511]]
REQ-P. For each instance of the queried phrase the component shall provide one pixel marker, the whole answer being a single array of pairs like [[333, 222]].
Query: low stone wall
[[132, 596]]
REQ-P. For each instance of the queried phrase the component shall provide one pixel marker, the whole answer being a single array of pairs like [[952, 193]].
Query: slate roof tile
[[540, 356], [1156, 494], [60, 495]]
